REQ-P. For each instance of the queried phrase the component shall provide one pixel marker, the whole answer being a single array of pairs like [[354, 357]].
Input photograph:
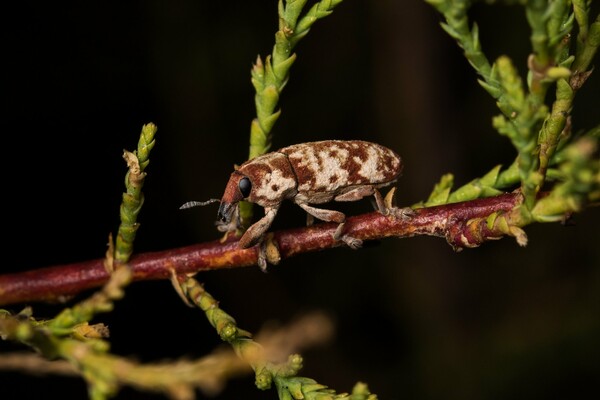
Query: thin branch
[[465, 224]]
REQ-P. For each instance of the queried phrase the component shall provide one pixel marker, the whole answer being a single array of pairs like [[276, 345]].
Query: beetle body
[[307, 174]]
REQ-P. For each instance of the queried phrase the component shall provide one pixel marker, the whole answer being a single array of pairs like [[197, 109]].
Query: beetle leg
[[381, 207], [322, 214], [255, 233], [356, 193], [333, 216], [364, 191]]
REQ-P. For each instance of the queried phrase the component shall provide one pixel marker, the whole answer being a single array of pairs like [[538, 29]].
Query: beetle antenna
[[191, 204]]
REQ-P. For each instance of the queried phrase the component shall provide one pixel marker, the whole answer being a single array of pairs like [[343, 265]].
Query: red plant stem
[[58, 283]]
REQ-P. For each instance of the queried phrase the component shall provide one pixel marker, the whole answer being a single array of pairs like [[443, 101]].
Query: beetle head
[[237, 189], [265, 180]]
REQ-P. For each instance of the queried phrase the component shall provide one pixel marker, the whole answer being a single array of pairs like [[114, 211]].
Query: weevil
[[310, 174]]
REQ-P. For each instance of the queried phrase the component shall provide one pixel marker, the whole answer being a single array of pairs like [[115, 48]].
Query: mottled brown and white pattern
[[310, 173]]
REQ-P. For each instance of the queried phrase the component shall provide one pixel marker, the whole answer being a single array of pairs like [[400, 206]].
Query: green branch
[[284, 375], [270, 76], [579, 185], [535, 129], [457, 26], [588, 38], [69, 335], [133, 198]]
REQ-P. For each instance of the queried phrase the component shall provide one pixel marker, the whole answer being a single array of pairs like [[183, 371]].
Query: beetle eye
[[245, 186]]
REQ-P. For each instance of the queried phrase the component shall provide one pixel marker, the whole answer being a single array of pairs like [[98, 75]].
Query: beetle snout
[[225, 212]]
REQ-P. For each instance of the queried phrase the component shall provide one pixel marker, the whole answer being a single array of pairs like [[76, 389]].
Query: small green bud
[[558, 73], [263, 380], [24, 332]]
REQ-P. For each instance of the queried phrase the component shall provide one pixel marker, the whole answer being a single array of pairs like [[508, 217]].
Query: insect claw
[[352, 242], [262, 258], [404, 213], [268, 253]]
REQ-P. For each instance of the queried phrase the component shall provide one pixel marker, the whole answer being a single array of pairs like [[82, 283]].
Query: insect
[[310, 174]]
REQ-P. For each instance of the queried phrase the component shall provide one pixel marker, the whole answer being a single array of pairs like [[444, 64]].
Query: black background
[[413, 318]]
